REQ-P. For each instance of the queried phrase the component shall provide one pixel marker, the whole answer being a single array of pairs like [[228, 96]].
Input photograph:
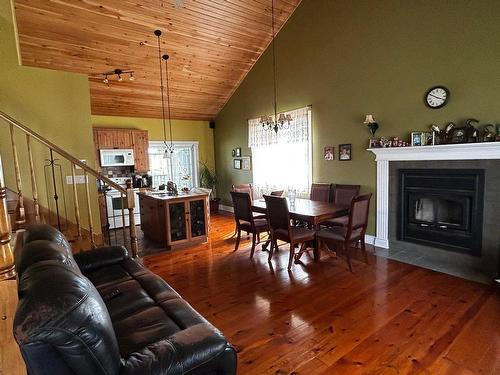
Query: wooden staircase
[[18, 209]]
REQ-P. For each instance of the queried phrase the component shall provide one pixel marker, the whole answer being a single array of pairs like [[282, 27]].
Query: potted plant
[[208, 180]]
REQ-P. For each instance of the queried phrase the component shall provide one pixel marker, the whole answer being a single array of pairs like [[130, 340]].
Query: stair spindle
[[89, 211], [20, 213], [76, 204], [124, 230], [34, 187]]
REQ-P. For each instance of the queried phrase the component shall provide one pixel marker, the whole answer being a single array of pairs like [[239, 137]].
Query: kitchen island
[[175, 221]]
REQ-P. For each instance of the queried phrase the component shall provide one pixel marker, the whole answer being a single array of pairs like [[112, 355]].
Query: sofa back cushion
[[62, 322]]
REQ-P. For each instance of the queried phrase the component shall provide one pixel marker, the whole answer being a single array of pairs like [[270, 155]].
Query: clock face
[[437, 97]]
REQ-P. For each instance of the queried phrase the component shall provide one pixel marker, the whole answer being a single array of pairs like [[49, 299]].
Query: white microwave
[[117, 157]]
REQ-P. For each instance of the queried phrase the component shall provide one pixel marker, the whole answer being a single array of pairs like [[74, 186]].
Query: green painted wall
[[54, 104], [349, 58], [182, 130]]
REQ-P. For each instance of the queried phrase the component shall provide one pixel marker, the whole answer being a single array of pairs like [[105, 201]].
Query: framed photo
[[237, 163], [238, 152], [416, 138], [233, 152], [345, 152], [246, 163], [427, 139], [329, 153]]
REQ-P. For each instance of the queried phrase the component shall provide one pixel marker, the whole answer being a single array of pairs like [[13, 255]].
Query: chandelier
[[282, 121], [169, 147]]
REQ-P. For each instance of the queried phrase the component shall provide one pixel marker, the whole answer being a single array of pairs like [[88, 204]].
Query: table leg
[[315, 245]]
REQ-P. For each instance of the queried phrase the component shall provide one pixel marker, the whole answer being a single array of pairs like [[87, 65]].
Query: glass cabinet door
[[197, 212], [177, 215]]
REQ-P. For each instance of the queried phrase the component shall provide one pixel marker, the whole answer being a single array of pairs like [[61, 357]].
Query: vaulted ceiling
[[212, 46]]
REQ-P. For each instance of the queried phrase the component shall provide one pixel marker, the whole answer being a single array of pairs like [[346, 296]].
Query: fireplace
[[442, 208]]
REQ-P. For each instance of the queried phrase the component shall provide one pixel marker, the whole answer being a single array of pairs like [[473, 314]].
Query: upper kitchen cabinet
[[140, 142], [137, 140]]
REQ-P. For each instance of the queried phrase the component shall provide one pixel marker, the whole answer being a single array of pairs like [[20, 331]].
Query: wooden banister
[[7, 270]]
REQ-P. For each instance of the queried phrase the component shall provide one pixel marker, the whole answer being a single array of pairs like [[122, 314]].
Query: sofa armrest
[[199, 349], [101, 256]]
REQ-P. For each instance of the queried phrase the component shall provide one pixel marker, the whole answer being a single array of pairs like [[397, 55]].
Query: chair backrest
[[320, 192], [278, 215], [277, 193], [358, 214], [242, 206], [244, 188], [344, 193]]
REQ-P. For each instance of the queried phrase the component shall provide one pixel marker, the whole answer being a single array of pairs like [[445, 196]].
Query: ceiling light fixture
[[282, 121], [108, 76], [169, 148]]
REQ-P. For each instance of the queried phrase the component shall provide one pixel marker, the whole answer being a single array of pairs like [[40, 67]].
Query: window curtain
[[282, 161]]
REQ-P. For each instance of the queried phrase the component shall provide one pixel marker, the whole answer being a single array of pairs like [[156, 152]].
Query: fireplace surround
[[484, 265]]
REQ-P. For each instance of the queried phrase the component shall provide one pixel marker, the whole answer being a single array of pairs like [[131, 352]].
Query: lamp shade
[[369, 119]]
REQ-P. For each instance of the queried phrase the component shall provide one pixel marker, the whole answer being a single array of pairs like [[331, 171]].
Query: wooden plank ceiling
[[212, 44]]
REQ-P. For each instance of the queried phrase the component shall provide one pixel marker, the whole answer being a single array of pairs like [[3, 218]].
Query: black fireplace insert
[[442, 208]]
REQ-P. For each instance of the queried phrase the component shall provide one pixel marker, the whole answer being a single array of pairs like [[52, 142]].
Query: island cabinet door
[[198, 221], [178, 222]]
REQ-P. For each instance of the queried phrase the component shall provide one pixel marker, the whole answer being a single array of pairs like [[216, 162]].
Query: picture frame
[[238, 152], [427, 139], [374, 143], [237, 163], [416, 138], [246, 163], [233, 152], [329, 153], [345, 152]]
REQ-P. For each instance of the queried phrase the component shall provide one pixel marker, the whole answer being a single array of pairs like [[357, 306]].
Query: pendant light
[[281, 121], [169, 148]]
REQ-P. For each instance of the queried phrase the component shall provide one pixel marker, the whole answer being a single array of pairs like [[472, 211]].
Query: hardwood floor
[[386, 318]]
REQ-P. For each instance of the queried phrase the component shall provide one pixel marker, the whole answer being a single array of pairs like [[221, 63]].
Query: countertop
[[163, 195]]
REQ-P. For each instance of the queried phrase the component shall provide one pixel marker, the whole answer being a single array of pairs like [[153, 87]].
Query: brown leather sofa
[[101, 312]]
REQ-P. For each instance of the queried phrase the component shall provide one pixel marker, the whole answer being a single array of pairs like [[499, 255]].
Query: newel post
[[130, 207], [7, 270]]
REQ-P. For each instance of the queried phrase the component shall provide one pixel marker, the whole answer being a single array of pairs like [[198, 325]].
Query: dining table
[[312, 212]]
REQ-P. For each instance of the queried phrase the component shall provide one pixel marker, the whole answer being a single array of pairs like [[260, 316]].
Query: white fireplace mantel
[[467, 151]]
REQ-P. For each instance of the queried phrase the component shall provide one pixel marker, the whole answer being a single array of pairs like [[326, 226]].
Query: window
[[181, 168], [282, 160]]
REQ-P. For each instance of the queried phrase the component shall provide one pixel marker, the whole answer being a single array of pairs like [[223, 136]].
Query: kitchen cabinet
[[174, 221], [105, 138], [140, 143]]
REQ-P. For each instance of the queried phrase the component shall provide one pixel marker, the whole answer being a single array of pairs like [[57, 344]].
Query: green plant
[[208, 178]]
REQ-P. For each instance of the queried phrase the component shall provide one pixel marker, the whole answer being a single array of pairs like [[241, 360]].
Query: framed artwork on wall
[[238, 152], [328, 153], [345, 152], [246, 163], [233, 152], [237, 163]]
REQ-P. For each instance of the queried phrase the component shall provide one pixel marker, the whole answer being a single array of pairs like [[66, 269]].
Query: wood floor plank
[[386, 317]]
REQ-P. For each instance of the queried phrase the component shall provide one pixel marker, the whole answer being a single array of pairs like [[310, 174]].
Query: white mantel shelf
[[465, 151]]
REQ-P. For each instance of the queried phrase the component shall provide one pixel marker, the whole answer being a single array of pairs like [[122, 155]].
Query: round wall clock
[[437, 97]]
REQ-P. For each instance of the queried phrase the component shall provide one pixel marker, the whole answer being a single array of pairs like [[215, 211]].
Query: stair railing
[[127, 194]]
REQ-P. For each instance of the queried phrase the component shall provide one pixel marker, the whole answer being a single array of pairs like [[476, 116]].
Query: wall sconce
[[372, 125]]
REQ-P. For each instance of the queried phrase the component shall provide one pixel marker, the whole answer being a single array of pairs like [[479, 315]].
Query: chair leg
[[292, 252], [303, 248], [363, 248], [238, 238], [271, 250], [254, 236], [347, 255]]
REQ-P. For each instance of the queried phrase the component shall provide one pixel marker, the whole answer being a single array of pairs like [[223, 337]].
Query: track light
[[105, 80], [131, 77]]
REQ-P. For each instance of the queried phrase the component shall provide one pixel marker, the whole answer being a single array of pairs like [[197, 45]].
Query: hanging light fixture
[[282, 121], [169, 148]]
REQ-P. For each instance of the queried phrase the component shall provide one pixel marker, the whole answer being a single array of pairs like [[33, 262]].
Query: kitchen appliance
[[117, 157], [114, 202]]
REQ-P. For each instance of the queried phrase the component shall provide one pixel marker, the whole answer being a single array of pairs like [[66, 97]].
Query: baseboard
[[223, 207]]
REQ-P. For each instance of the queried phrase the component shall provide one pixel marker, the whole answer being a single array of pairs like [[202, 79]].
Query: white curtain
[[282, 161]]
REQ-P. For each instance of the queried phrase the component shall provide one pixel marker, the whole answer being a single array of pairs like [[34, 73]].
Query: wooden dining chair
[[278, 218], [337, 238], [320, 192], [244, 188], [343, 194], [245, 220]]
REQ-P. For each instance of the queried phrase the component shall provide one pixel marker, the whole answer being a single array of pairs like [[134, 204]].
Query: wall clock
[[437, 97]]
